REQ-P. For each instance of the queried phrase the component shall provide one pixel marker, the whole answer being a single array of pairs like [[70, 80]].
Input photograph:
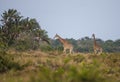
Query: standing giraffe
[[96, 47], [66, 44]]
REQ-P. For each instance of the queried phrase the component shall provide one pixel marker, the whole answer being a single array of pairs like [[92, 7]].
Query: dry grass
[[106, 66]]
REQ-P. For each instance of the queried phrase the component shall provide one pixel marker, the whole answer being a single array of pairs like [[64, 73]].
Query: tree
[[10, 25], [28, 24], [32, 26], [117, 45], [14, 27], [108, 46]]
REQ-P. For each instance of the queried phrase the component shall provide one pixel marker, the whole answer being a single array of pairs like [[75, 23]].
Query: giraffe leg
[[71, 50], [94, 52], [100, 51], [64, 51], [97, 52]]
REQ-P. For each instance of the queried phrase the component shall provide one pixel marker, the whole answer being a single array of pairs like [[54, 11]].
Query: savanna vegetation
[[27, 54]]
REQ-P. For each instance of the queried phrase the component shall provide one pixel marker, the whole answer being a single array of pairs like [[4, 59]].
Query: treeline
[[24, 33], [85, 44]]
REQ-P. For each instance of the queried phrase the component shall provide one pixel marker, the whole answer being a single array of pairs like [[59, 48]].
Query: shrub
[[46, 48], [85, 73], [7, 63]]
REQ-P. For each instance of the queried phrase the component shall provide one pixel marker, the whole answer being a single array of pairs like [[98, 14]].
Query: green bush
[[86, 73], [46, 48], [78, 58], [7, 62], [23, 45]]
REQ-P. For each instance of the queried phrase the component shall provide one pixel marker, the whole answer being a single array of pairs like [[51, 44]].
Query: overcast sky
[[71, 18]]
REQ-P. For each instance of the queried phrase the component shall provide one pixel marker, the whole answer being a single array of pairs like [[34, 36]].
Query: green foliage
[[20, 32], [7, 62], [66, 60], [22, 46], [72, 74], [10, 25], [46, 48], [13, 25], [85, 45], [69, 68], [78, 58]]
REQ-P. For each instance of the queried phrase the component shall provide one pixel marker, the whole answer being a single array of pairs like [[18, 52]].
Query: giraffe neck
[[94, 41], [61, 40]]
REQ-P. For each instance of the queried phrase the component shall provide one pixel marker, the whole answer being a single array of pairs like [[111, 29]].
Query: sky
[[71, 18]]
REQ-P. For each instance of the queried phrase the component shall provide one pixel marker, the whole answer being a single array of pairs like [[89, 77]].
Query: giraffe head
[[56, 36], [93, 35]]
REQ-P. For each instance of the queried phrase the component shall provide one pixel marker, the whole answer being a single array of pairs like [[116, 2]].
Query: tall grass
[[52, 67], [7, 62]]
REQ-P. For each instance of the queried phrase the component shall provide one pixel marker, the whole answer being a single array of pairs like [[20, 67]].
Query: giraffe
[[66, 44], [96, 47]]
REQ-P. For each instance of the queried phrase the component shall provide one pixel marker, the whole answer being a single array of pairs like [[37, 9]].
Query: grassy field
[[37, 66]]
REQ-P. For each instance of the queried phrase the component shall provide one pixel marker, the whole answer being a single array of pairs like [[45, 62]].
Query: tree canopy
[[13, 25]]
